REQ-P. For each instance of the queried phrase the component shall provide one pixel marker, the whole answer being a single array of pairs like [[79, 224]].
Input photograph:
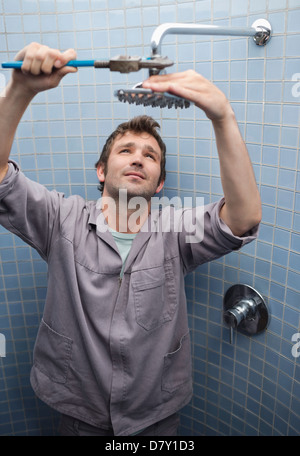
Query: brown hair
[[139, 124]]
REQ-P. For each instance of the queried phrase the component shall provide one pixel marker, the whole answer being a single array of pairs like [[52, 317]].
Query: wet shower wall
[[251, 387]]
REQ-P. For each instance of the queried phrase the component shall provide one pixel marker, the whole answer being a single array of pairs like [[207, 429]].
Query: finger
[[167, 82], [66, 70], [41, 59], [55, 59], [42, 55], [49, 60], [35, 57], [186, 77], [26, 55], [178, 86], [165, 77], [162, 86], [20, 54], [65, 57]]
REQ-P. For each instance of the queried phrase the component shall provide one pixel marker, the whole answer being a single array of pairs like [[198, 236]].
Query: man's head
[[133, 157]]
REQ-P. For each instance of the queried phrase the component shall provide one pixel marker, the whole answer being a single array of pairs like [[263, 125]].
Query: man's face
[[134, 164]]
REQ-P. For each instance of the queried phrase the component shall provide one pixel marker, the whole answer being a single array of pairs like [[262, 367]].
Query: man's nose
[[137, 160]]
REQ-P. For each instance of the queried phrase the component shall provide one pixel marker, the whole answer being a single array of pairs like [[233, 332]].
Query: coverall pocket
[[52, 353], [177, 367], [154, 297]]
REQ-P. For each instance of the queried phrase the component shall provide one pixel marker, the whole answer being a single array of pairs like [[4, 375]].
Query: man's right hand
[[42, 68]]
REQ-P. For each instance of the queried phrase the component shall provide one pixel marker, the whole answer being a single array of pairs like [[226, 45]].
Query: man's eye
[[124, 151], [151, 156]]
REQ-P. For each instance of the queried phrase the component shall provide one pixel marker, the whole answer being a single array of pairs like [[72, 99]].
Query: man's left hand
[[194, 87]]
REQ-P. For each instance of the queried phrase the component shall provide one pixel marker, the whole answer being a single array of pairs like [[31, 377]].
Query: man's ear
[[160, 187], [100, 172]]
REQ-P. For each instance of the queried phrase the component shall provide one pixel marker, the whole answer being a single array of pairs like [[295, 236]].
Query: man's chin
[[135, 193], [126, 192], [136, 188]]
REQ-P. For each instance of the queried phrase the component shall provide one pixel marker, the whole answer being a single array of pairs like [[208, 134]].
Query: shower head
[[146, 97]]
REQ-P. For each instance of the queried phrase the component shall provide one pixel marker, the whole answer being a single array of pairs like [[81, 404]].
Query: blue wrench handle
[[73, 63]]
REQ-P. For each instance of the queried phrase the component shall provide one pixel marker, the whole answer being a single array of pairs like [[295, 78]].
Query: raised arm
[[42, 69], [242, 208]]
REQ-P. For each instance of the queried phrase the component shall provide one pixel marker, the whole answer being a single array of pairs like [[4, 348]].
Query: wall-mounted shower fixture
[[245, 310], [260, 31]]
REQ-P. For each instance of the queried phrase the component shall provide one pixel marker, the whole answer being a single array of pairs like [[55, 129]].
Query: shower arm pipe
[[260, 31]]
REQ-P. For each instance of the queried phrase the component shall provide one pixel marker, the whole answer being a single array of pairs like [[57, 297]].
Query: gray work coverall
[[113, 353]]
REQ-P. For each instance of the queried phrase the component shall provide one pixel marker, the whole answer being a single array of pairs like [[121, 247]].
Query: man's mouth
[[135, 175]]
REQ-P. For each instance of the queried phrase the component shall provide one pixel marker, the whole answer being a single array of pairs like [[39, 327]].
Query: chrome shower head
[[146, 97]]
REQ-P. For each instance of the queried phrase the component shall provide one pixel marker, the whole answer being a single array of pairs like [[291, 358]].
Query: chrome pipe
[[260, 31]]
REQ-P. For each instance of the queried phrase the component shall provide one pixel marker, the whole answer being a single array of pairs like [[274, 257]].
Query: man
[[113, 348]]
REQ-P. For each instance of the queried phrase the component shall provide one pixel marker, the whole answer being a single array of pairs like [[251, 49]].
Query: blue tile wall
[[251, 387]]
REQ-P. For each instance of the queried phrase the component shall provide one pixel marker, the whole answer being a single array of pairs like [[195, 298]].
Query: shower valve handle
[[245, 310]]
